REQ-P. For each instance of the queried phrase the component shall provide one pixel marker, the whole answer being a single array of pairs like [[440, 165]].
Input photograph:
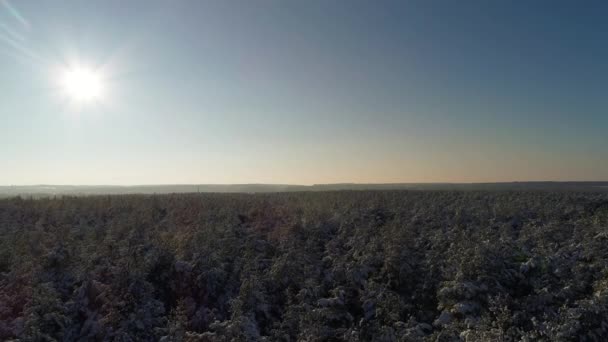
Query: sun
[[82, 84]]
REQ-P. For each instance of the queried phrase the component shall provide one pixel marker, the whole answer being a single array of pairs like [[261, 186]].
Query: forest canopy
[[309, 266]]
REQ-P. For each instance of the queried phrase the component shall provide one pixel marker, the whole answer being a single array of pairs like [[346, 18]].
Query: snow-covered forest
[[310, 266]]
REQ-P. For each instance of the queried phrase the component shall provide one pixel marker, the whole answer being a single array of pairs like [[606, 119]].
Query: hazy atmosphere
[[303, 170], [158, 92]]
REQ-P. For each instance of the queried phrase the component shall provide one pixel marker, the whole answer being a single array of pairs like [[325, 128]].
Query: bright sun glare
[[82, 84]]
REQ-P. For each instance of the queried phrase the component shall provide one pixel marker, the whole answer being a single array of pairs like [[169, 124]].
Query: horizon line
[[304, 185]]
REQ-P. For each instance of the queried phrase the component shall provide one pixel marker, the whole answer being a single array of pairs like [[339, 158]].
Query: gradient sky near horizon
[[306, 92]]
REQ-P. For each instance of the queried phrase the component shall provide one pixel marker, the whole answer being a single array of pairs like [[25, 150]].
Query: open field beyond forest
[[309, 266]]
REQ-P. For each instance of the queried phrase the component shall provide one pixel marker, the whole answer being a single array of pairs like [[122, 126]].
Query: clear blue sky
[[305, 92]]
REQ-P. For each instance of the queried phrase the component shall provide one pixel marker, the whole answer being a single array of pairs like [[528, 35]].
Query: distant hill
[[50, 190]]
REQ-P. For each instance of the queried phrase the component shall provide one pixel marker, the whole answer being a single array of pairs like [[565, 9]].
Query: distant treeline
[[50, 190]]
